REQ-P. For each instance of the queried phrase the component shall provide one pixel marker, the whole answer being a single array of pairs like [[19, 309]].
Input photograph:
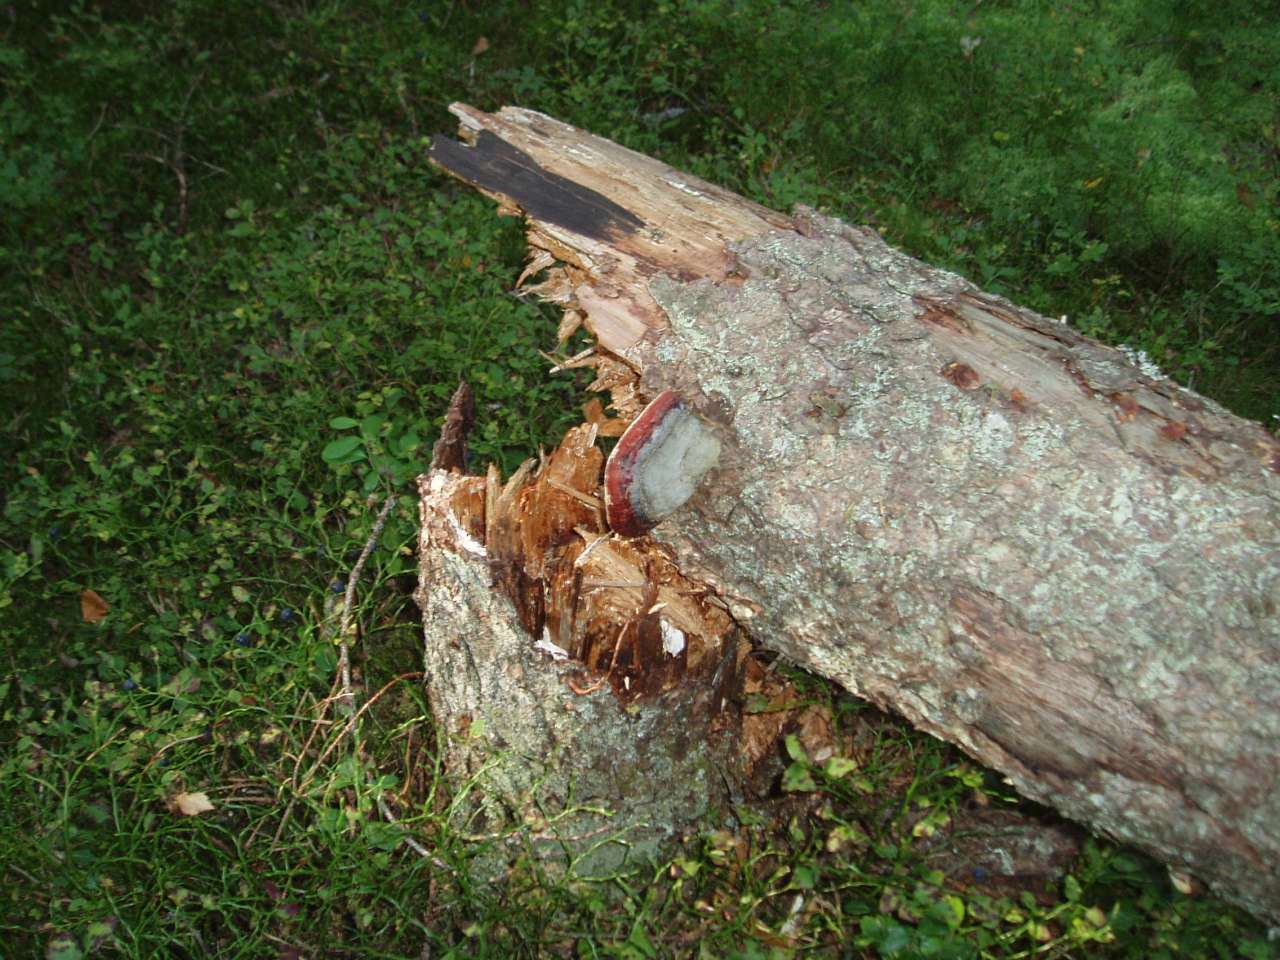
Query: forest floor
[[235, 301]]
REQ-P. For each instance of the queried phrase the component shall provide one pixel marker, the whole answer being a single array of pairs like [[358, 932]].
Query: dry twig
[[409, 841], [348, 604], [351, 724]]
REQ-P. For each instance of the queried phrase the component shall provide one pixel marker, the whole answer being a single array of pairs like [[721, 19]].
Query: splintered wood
[[583, 679], [450, 451], [621, 608]]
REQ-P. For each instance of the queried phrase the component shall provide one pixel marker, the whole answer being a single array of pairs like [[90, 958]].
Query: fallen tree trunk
[[967, 513]]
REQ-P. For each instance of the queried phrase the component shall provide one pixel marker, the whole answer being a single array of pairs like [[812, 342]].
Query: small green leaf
[[63, 946], [1071, 888], [343, 450], [688, 867], [99, 933], [240, 593], [844, 834], [930, 824], [887, 851], [794, 749], [343, 423], [408, 443], [381, 836], [951, 910], [371, 426], [837, 767], [798, 779]]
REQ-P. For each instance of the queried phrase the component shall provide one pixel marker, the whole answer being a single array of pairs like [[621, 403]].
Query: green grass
[[236, 298]]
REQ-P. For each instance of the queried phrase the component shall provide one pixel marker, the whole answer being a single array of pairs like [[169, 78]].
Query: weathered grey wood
[[956, 508]]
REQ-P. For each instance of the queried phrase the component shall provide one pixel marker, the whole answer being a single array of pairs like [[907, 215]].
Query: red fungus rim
[[628, 457]]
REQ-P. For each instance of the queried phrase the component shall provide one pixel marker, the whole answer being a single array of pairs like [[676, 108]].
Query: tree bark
[[1021, 540]]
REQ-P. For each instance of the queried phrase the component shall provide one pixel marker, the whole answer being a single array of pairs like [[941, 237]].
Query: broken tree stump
[[958, 509], [592, 693]]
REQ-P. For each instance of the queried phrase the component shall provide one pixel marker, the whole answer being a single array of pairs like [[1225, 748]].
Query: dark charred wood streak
[[495, 165]]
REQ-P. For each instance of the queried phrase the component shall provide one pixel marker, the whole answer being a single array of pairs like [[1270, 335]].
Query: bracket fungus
[[657, 465]]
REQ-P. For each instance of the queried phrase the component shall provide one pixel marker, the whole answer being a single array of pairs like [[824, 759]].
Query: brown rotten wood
[[958, 509]]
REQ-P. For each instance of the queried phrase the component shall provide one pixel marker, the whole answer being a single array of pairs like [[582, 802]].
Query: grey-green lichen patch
[[866, 503]]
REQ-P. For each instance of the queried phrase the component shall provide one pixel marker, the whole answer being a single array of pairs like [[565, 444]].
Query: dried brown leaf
[[92, 607]]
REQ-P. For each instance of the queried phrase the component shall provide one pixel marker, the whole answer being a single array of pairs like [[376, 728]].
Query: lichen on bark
[[967, 552]]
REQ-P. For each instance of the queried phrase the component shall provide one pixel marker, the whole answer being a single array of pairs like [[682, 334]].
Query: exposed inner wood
[[601, 236], [565, 664], [621, 608]]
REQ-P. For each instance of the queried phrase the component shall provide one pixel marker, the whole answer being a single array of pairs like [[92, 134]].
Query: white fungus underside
[[669, 471]]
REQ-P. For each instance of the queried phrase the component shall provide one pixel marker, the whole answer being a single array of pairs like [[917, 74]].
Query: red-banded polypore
[[657, 465]]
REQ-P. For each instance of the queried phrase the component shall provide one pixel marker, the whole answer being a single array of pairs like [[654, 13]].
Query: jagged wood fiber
[[954, 507]]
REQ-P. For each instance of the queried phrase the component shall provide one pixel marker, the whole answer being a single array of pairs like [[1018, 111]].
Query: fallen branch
[[409, 841]]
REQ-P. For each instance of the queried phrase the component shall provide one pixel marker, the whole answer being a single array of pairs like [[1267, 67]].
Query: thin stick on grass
[[449, 452], [350, 725], [342, 681], [300, 788], [409, 841], [348, 605]]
